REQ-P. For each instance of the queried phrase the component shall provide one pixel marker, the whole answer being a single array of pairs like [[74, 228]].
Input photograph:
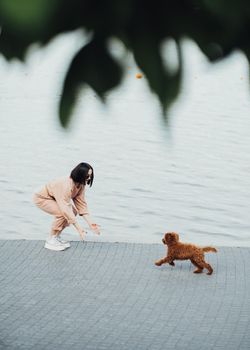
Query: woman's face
[[89, 175]]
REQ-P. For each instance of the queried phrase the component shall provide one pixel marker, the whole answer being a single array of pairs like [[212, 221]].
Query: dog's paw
[[198, 271], [172, 263], [157, 263]]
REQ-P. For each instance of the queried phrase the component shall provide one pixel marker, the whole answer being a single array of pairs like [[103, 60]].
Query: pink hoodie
[[64, 191]]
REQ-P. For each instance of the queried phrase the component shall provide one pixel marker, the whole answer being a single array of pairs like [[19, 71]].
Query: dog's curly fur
[[183, 251]]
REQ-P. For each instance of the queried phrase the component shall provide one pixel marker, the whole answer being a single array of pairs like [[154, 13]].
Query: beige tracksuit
[[63, 199]]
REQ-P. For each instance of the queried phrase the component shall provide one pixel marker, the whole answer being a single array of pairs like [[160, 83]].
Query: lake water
[[191, 176]]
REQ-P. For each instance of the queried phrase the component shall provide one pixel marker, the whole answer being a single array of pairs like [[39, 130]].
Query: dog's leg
[[166, 260], [159, 262], [202, 263], [209, 268], [199, 267]]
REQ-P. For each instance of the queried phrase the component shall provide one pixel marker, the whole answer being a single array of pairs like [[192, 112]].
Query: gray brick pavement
[[111, 296]]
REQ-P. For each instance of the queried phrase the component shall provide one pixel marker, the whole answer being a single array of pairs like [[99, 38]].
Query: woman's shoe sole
[[66, 245], [53, 247]]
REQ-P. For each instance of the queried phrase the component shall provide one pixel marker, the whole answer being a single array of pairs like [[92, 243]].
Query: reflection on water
[[192, 177]]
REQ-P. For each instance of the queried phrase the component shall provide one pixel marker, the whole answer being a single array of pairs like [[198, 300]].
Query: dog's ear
[[164, 239]]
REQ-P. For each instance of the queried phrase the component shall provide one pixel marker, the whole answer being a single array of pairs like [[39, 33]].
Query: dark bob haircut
[[80, 174]]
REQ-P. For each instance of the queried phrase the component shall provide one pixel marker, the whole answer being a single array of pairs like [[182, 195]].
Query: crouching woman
[[64, 198]]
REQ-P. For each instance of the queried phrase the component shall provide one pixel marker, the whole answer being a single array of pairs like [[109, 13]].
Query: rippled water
[[191, 177]]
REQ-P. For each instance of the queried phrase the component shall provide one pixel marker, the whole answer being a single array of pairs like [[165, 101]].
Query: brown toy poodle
[[183, 251]]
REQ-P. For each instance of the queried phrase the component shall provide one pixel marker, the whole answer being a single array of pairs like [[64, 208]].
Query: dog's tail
[[209, 249]]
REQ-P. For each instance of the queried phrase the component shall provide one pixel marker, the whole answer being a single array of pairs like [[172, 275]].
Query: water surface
[[191, 177]]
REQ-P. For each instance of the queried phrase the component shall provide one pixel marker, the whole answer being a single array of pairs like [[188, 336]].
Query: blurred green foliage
[[217, 26]]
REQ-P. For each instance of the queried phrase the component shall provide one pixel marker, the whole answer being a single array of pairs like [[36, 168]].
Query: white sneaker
[[64, 242], [54, 244]]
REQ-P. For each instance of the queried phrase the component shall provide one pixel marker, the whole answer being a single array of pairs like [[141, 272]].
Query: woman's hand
[[95, 228], [82, 234], [80, 230]]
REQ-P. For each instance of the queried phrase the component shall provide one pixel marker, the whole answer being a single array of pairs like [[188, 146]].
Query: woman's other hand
[[95, 228]]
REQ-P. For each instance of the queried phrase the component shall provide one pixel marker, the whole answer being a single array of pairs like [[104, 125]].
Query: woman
[[64, 198]]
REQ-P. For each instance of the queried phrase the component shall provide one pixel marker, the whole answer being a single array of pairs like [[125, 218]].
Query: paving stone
[[111, 296]]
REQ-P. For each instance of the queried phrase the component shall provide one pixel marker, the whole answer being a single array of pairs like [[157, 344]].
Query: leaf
[[92, 65], [27, 16], [24, 22], [162, 81]]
